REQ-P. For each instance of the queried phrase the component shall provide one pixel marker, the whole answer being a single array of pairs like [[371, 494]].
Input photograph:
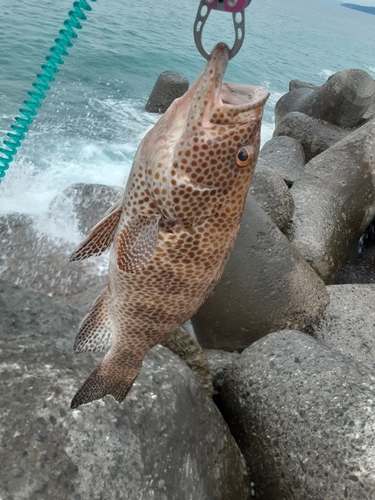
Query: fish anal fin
[[96, 329], [111, 378], [99, 238], [136, 243]]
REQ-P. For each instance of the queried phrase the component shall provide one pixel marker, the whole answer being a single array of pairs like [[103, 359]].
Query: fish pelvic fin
[[109, 377], [96, 329], [136, 243], [101, 236]]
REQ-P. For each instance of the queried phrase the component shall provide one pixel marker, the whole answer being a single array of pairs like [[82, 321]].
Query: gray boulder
[[285, 156], [39, 261], [347, 325], [370, 114], [272, 194], [334, 202], [342, 100], [188, 349], [166, 441], [362, 268], [304, 418], [266, 286], [167, 88], [36, 257], [220, 363], [315, 135], [298, 84], [357, 271], [87, 203]]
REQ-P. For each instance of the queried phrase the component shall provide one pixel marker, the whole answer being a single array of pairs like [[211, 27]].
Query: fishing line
[[27, 114]]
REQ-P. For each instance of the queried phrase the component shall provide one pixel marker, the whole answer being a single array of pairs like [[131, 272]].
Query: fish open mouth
[[210, 100], [212, 94], [233, 94]]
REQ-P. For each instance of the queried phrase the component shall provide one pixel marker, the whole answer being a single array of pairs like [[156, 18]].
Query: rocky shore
[[276, 400]]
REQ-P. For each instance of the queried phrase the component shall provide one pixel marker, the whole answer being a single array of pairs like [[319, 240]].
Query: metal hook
[[238, 16]]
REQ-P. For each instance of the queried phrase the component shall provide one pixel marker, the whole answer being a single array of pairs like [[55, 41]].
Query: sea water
[[93, 119]]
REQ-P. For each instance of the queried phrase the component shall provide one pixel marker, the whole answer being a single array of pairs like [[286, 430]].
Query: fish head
[[205, 147]]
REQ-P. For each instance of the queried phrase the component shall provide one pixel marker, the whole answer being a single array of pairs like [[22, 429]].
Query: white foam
[[266, 132], [326, 73], [29, 189], [268, 123]]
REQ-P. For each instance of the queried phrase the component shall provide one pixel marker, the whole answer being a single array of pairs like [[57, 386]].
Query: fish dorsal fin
[[96, 329], [101, 236], [136, 243]]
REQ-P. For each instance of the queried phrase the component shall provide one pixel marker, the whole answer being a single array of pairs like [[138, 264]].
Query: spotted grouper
[[175, 227]]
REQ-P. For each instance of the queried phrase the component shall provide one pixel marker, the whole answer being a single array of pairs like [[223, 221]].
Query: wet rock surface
[[370, 114], [272, 194], [266, 286], [314, 135], [304, 418], [40, 261], [347, 326], [298, 84], [360, 269], [37, 259], [168, 87], [334, 202], [166, 441], [188, 349], [342, 99], [220, 363], [283, 155], [88, 203]]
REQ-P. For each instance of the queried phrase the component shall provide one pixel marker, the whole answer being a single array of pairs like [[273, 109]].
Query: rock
[[168, 87], [285, 156], [357, 271], [38, 261], [220, 362], [188, 349], [347, 325], [272, 194], [167, 440], [342, 100], [304, 419], [334, 202], [298, 84], [362, 268], [315, 135], [35, 256], [266, 286], [87, 202], [369, 115]]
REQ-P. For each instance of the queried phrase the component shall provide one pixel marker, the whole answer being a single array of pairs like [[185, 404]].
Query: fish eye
[[244, 156]]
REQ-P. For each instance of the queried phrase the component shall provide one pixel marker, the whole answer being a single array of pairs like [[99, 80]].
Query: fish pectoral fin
[[136, 243], [100, 237], [110, 377], [96, 329]]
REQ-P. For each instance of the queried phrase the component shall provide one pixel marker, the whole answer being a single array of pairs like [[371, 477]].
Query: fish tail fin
[[110, 377]]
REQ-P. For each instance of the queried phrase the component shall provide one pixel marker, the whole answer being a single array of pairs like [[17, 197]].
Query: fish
[[175, 227]]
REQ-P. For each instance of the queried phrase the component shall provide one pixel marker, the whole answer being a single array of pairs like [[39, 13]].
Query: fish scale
[[173, 231]]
